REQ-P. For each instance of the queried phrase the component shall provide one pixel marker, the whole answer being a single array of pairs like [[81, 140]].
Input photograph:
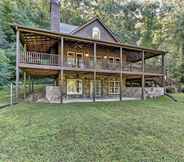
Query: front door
[[98, 88]]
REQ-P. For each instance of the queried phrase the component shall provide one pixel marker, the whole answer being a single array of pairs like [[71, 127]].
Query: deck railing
[[39, 58], [54, 60], [105, 65], [132, 67], [82, 64], [152, 69]]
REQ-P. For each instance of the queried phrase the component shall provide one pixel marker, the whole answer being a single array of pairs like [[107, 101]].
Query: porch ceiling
[[38, 42]]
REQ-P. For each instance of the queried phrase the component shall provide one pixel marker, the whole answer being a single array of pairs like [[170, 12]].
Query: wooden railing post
[[143, 84], [17, 63], [94, 76], [24, 85], [121, 66]]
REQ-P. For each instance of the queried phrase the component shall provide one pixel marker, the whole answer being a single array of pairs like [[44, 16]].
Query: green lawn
[[89, 132]]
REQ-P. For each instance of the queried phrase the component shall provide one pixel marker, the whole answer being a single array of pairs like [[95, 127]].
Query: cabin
[[88, 62]]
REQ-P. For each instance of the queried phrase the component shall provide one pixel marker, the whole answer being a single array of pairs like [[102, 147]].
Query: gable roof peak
[[96, 18]]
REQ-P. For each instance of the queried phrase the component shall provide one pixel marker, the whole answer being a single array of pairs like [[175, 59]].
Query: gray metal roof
[[67, 28]]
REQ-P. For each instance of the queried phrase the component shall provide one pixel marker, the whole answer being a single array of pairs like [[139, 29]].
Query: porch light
[[87, 55], [105, 57]]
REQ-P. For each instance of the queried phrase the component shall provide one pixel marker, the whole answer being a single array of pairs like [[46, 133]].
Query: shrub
[[171, 90]]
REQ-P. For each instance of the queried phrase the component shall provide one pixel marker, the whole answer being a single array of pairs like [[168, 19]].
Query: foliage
[[6, 69], [152, 24]]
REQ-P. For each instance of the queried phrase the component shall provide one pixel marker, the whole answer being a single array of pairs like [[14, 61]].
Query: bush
[[171, 90], [182, 90]]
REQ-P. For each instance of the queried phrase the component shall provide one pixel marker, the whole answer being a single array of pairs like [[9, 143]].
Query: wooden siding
[[87, 32], [85, 49], [87, 78]]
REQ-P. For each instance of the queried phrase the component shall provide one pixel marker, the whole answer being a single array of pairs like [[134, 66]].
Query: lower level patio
[[81, 87]]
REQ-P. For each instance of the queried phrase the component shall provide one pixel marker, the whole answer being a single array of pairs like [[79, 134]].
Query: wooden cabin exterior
[[88, 63]]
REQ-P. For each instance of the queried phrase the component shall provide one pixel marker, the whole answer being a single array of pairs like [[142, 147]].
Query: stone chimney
[[55, 15]]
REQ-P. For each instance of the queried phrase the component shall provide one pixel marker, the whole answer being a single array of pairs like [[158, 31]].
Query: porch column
[[17, 63], [24, 85], [29, 82], [143, 76], [32, 85], [32, 88], [163, 71], [121, 81], [94, 76], [61, 78]]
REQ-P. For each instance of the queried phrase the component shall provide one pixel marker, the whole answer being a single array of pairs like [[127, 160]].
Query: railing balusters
[[39, 58], [54, 60]]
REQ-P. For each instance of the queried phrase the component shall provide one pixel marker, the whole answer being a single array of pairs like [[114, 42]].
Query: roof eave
[[58, 34]]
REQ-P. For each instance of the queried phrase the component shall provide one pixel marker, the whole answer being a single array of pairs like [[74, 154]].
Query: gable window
[[96, 33], [74, 87], [114, 87]]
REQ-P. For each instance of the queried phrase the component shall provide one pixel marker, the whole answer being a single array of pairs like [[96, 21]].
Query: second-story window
[[71, 58], [111, 60], [96, 33], [117, 60]]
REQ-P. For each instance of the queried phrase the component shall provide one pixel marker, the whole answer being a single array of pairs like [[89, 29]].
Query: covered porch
[[40, 48], [86, 63]]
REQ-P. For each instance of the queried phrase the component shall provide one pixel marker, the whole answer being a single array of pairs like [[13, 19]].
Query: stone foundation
[[53, 94], [134, 92], [151, 92]]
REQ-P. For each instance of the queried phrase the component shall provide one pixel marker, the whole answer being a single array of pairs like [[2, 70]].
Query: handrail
[[39, 58]]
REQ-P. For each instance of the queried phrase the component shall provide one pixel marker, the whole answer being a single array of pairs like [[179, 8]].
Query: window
[[74, 86], [117, 60], [111, 60], [114, 87], [98, 88], [96, 33], [99, 59], [71, 58]]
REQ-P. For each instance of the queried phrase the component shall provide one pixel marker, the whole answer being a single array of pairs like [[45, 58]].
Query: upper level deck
[[78, 62], [41, 49]]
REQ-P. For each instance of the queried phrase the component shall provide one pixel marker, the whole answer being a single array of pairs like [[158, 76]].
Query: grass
[[128, 131]]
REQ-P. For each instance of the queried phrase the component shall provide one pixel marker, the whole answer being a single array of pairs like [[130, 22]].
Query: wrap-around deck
[[41, 60]]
